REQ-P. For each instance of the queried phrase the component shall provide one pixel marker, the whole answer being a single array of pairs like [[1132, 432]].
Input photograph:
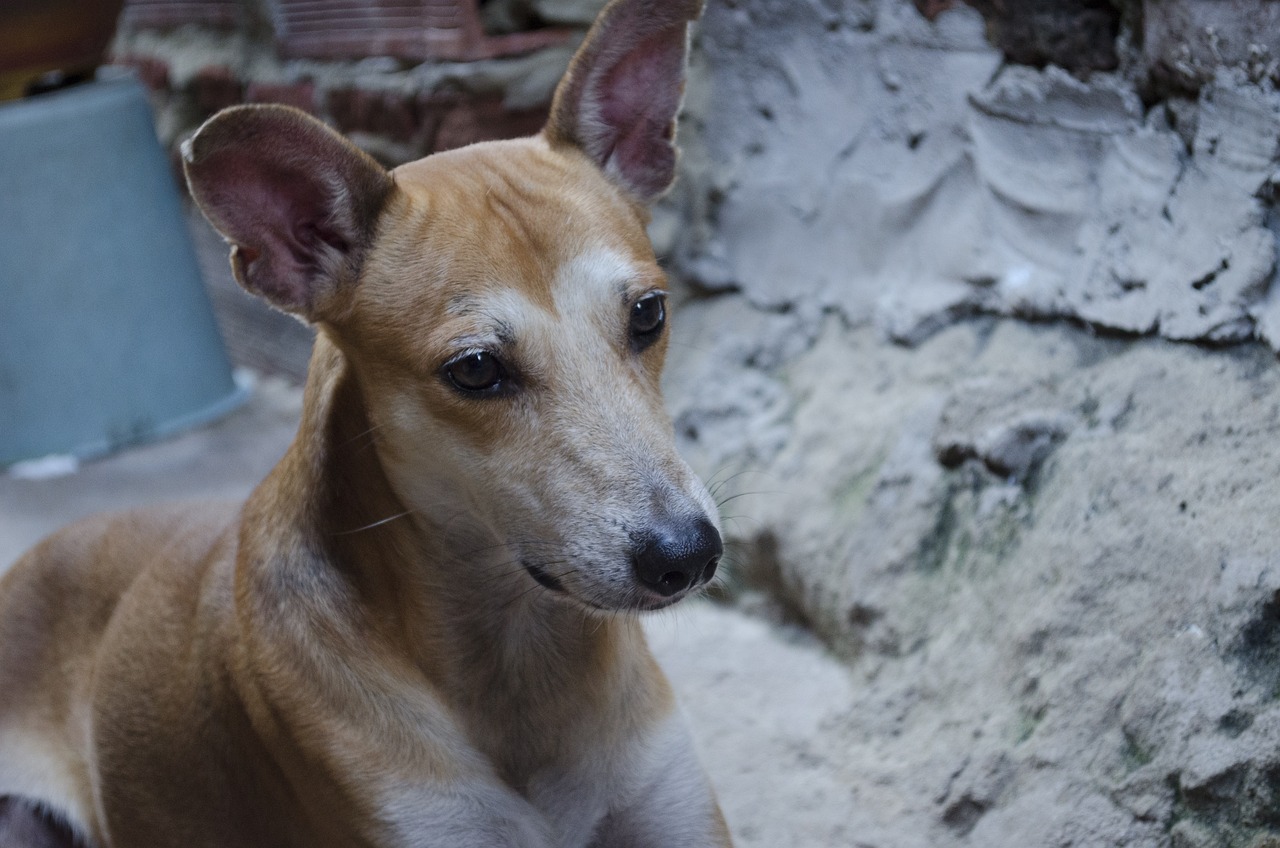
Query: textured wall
[[930, 179], [929, 358]]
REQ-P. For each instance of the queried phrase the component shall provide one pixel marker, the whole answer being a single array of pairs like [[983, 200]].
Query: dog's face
[[504, 313], [509, 329]]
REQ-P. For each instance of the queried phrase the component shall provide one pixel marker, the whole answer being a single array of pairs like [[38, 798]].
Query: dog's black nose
[[677, 555]]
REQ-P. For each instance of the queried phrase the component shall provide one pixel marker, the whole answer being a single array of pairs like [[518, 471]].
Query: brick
[[299, 94], [168, 14], [153, 72], [216, 87], [579, 13], [352, 29], [383, 112], [433, 108], [422, 30], [485, 118], [932, 8]]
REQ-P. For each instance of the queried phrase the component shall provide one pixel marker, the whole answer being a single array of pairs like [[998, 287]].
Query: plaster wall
[[981, 359]]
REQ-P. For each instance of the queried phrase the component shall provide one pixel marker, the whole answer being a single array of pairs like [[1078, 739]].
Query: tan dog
[[420, 629]]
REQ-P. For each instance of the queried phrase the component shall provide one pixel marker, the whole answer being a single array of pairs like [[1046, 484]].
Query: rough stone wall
[[979, 357]]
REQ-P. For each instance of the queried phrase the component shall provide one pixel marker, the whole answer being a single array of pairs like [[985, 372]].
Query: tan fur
[[357, 655]]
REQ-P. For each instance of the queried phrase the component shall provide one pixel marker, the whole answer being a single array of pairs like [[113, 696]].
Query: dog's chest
[[577, 797], [575, 720], [576, 800], [573, 769]]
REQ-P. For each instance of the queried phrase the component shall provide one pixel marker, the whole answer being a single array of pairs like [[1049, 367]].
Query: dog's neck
[[502, 646]]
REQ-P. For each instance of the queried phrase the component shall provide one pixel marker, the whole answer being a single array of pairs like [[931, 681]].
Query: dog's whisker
[[374, 524], [721, 503], [727, 518], [369, 436], [715, 486]]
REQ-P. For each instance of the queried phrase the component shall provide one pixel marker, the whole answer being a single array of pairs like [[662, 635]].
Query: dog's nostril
[[675, 556], [672, 582]]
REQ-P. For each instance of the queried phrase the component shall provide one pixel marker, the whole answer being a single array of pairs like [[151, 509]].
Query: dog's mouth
[[544, 579], [647, 603]]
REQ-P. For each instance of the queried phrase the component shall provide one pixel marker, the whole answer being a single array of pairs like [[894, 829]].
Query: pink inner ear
[[296, 200], [278, 218], [636, 101]]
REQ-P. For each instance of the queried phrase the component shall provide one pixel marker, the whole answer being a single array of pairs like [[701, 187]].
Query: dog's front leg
[[484, 816], [671, 802]]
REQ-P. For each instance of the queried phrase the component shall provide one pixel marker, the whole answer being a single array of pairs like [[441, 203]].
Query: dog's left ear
[[619, 99]]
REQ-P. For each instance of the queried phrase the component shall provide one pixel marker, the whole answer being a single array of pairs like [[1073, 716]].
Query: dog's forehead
[[588, 295], [499, 240], [494, 230], [598, 276], [517, 200], [596, 270]]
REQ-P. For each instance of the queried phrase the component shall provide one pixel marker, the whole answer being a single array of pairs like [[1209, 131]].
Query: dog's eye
[[648, 315], [477, 371]]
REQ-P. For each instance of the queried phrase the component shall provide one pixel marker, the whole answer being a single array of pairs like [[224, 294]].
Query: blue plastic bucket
[[107, 337]]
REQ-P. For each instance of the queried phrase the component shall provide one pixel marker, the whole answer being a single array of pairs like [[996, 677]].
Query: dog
[[421, 628]]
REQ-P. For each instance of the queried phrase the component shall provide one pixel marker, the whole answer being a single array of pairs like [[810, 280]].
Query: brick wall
[[403, 78]]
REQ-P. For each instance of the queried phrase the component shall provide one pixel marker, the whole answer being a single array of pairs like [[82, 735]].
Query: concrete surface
[[762, 699]]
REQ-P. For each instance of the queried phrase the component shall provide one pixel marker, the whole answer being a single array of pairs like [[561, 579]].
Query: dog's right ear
[[298, 203]]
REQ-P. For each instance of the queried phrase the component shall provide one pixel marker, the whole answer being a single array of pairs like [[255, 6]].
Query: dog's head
[[503, 311]]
